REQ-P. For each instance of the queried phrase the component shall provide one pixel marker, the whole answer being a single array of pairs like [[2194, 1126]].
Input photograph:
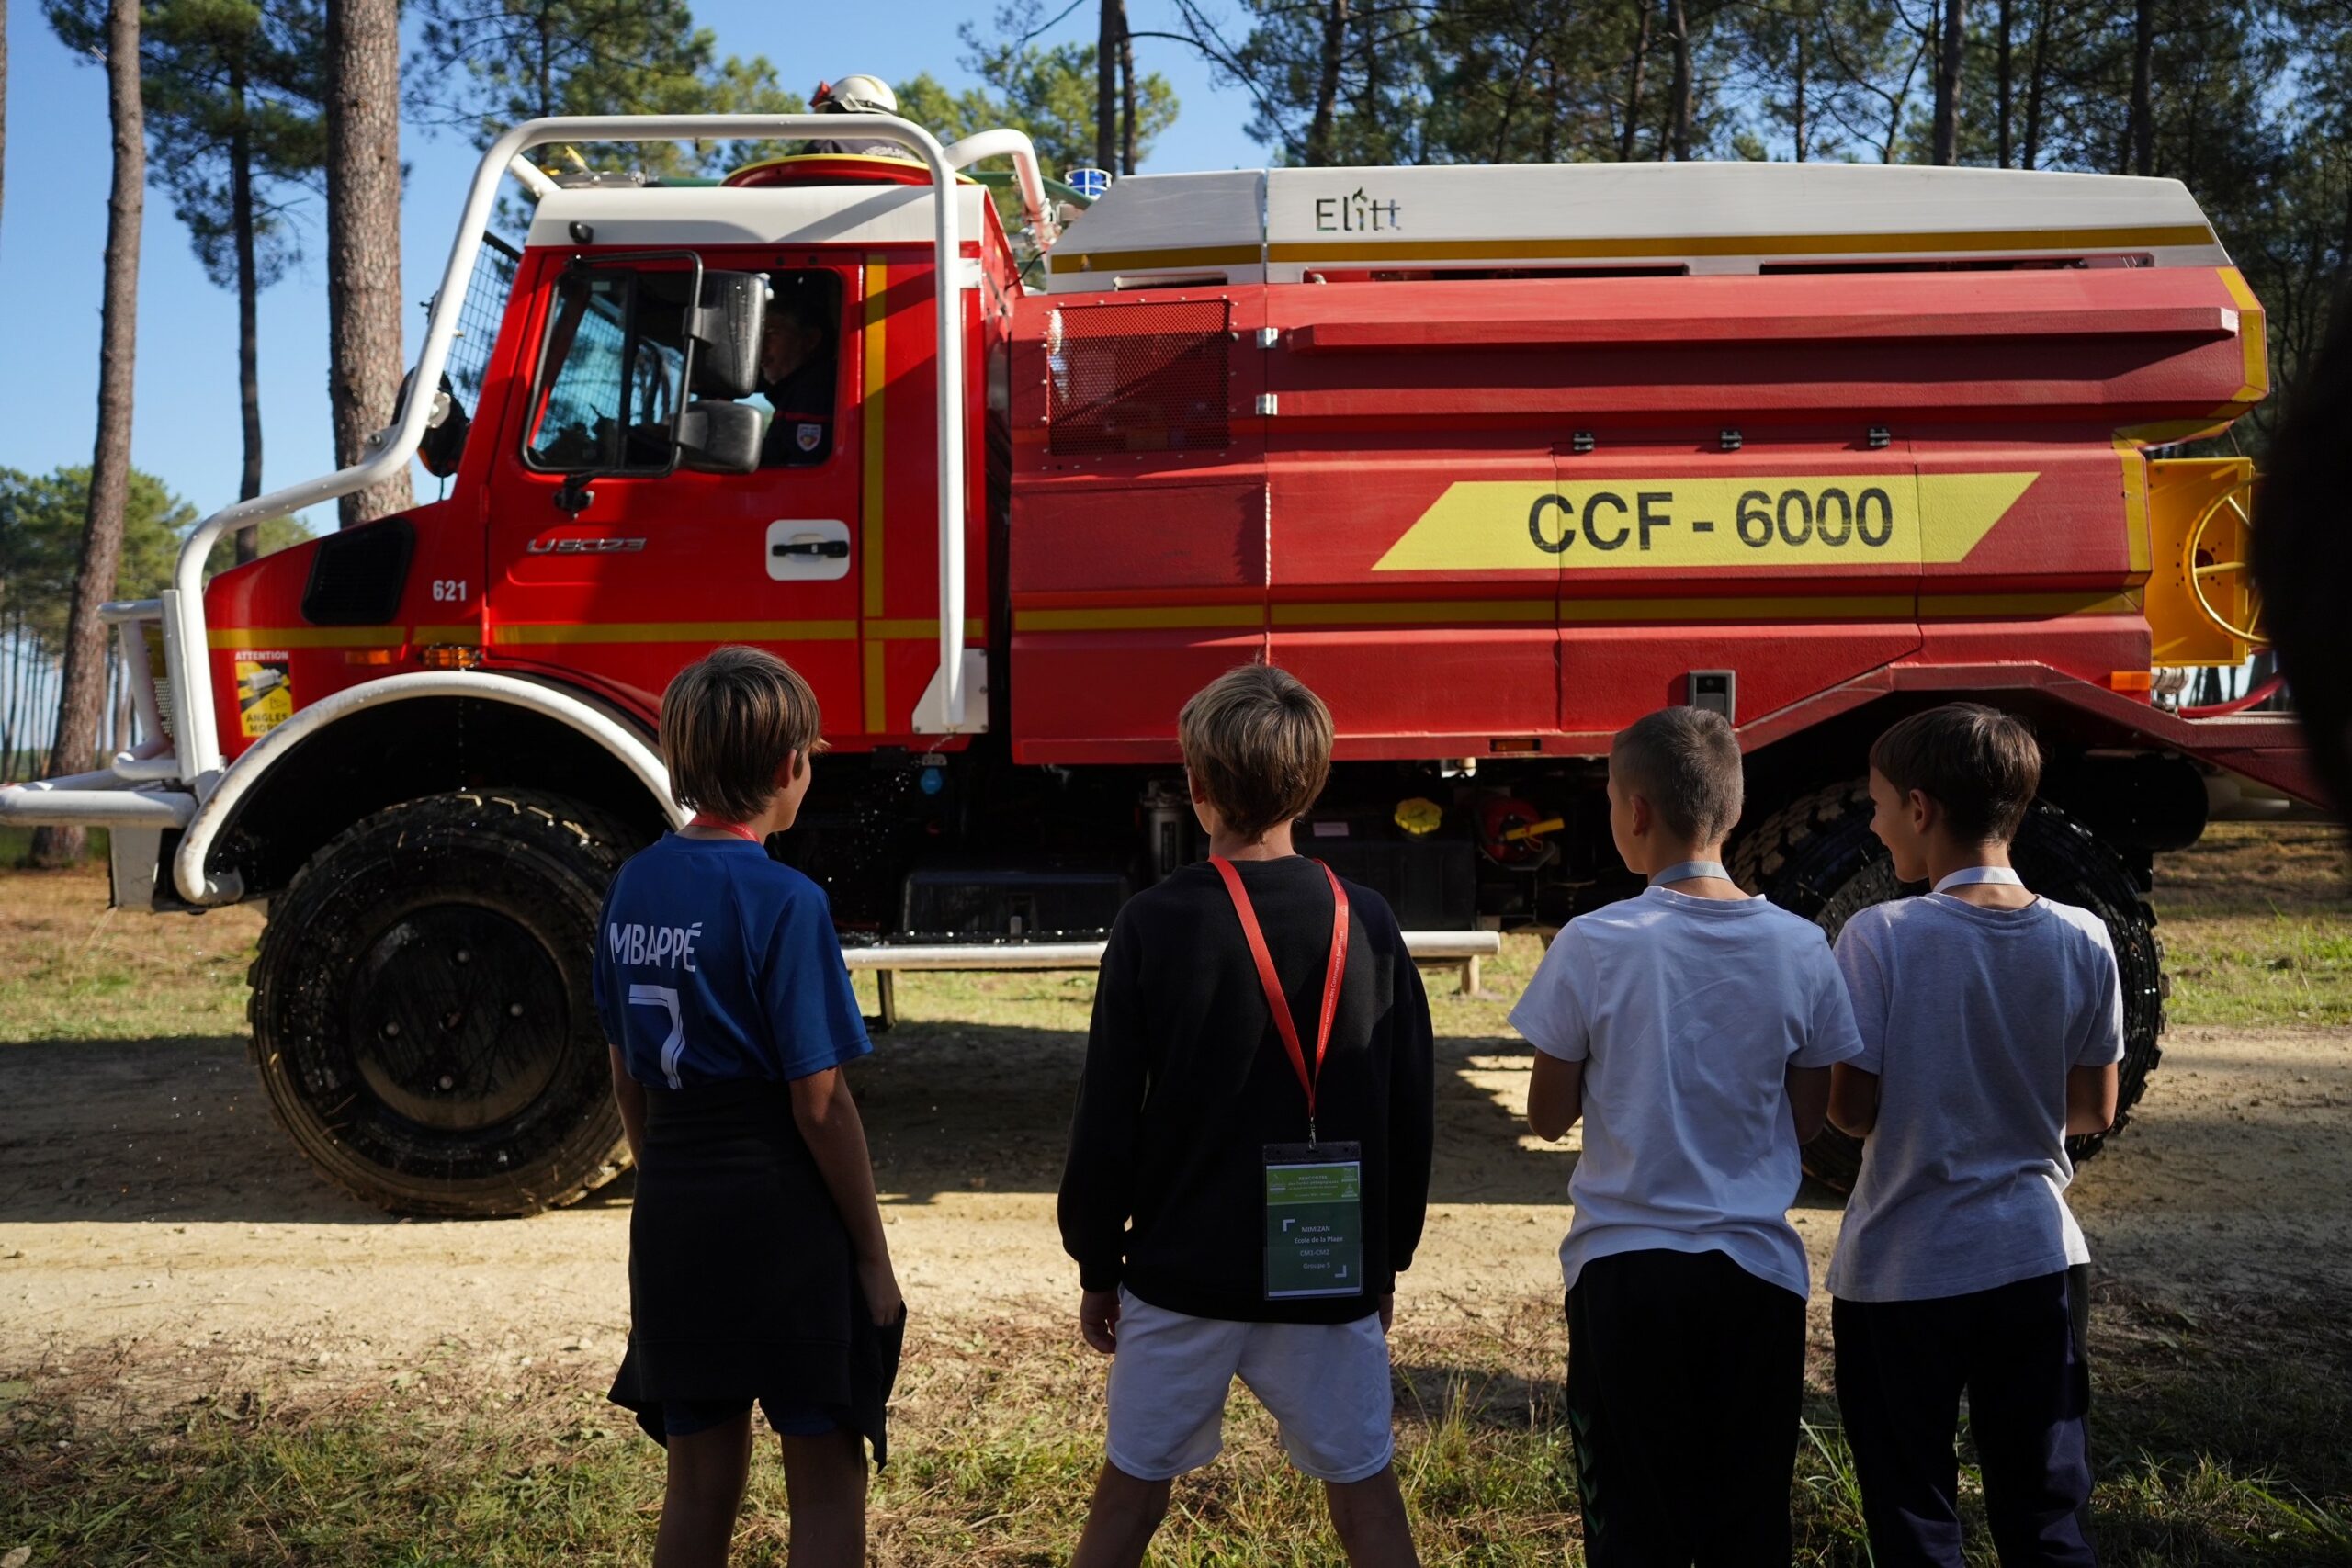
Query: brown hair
[[1980, 764], [1685, 762], [1259, 744], [728, 723]]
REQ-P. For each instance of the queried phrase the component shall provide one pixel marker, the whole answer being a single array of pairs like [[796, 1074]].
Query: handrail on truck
[[196, 755]]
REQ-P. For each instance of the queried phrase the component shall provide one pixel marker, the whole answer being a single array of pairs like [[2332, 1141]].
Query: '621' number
[[1797, 517], [448, 590]]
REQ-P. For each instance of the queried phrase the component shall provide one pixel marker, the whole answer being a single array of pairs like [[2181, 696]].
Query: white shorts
[[1326, 1385]]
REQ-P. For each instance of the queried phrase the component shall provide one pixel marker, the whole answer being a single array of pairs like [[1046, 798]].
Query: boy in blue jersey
[[758, 1269]]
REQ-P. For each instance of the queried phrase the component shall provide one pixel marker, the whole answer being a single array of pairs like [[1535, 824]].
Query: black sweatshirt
[[1186, 1080]]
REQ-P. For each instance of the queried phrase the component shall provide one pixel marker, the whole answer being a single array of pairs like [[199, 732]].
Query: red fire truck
[[1496, 459]]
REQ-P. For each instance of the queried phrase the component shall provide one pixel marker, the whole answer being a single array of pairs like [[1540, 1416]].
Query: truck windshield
[[610, 373]]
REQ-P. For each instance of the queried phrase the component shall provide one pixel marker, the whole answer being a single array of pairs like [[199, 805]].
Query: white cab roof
[[654, 217], [1282, 225]]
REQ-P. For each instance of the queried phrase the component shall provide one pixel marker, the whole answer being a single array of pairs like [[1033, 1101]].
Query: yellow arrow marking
[[1786, 519]]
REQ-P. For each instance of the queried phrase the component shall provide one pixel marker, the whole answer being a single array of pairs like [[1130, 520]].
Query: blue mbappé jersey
[[714, 962]]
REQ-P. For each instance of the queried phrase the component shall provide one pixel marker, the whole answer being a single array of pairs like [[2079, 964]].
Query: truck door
[[612, 566]]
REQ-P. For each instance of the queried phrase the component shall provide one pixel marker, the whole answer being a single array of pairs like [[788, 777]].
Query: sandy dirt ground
[[154, 1218]]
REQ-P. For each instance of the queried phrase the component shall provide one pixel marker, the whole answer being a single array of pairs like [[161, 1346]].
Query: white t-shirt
[[1687, 1013], [1971, 1018]]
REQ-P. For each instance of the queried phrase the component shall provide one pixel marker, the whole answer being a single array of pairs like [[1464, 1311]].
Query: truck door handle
[[820, 549]]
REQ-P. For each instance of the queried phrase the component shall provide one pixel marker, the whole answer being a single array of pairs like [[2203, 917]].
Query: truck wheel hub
[[450, 1009]]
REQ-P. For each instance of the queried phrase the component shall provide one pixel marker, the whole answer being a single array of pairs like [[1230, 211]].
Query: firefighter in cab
[[797, 373]]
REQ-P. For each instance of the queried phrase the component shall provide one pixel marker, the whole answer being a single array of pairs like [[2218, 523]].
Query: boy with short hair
[[1991, 1023], [1249, 1162], [758, 1268], [1693, 1029]]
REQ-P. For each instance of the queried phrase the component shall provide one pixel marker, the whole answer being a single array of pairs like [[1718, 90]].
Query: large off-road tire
[[420, 1008], [1817, 857]]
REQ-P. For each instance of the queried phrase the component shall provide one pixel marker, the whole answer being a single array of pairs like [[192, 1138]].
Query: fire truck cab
[[1496, 459]]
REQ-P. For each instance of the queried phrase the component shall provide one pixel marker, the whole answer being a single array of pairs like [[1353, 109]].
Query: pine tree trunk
[[2143, 60], [1321, 129], [1634, 82], [240, 217], [12, 666], [81, 693], [1106, 88], [2343, 256], [1947, 121], [2036, 75], [1126, 94], [2002, 66], [1796, 119], [1678, 132], [364, 238]]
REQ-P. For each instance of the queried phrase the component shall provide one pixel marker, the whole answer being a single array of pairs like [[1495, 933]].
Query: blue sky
[[52, 240]]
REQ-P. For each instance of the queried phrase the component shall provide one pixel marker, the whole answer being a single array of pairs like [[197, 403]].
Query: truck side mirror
[[727, 326], [716, 437]]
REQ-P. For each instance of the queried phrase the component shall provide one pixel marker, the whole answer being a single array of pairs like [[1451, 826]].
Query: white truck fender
[[246, 772]]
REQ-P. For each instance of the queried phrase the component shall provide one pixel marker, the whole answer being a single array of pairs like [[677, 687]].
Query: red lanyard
[[1275, 1001], [703, 819]]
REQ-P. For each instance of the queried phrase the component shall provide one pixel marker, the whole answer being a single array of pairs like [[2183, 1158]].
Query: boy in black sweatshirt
[[1251, 1159]]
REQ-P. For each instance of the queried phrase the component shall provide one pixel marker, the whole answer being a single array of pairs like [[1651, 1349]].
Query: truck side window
[[610, 372], [800, 368]]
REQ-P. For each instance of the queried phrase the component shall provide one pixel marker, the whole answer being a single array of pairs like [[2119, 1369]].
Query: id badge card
[[1313, 1220]]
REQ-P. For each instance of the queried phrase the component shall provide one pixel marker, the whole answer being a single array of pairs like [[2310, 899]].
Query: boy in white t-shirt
[[1991, 1023], [1692, 1029]]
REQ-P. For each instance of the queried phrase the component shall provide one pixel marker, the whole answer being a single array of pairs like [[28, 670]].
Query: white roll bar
[[198, 751], [1008, 142]]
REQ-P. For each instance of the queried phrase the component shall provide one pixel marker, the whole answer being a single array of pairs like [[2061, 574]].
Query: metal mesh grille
[[478, 317], [1139, 378]]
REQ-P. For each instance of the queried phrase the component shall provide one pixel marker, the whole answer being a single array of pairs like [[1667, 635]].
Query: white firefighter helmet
[[857, 94]]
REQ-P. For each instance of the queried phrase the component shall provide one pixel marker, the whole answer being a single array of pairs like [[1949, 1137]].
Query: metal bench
[[1461, 951]]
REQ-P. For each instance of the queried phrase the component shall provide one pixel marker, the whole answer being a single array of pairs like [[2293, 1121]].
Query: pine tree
[[94, 579], [233, 119], [1049, 92], [365, 358], [485, 65]]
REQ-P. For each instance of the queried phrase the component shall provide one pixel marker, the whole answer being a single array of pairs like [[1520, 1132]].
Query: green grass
[[2221, 1443], [72, 969], [2260, 970], [2256, 922]]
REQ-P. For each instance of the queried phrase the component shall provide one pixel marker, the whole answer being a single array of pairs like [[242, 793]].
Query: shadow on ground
[[179, 1130]]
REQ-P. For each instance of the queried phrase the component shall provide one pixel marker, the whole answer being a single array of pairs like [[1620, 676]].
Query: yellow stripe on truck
[[1611, 523], [1573, 611], [677, 631], [2254, 344], [231, 638], [873, 467]]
